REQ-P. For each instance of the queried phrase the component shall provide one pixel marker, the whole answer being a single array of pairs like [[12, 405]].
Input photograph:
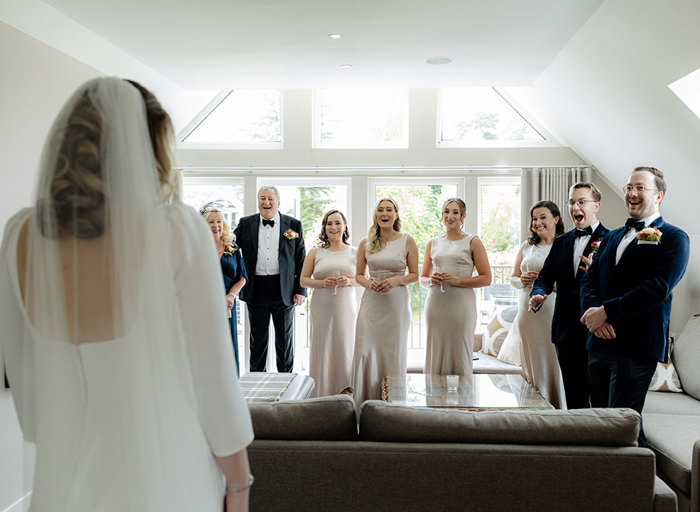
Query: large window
[[240, 118], [482, 117], [499, 230], [226, 194], [361, 118], [420, 204]]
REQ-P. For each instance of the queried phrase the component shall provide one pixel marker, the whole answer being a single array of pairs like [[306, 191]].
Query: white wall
[[607, 93], [36, 80]]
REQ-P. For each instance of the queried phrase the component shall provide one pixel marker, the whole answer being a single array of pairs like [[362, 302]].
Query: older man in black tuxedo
[[626, 296], [273, 252], [565, 265]]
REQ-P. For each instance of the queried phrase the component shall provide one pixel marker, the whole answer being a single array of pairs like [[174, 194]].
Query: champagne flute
[[381, 275], [438, 270], [336, 274]]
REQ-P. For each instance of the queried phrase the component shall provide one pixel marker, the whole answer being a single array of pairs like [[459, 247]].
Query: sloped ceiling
[[214, 44], [607, 93]]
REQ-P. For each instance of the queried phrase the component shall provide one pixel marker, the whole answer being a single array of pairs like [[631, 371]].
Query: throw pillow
[[665, 379], [496, 331], [510, 351]]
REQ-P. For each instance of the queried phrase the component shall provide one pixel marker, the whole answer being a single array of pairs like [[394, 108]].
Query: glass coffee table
[[476, 392]]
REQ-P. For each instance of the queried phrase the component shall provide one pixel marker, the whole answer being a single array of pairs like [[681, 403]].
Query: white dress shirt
[[580, 243], [631, 234], [268, 263]]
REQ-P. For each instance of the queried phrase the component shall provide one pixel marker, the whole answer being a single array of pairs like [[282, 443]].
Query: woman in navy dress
[[232, 267]]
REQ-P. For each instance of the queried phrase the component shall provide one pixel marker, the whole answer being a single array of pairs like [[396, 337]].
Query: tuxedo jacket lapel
[[284, 226], [254, 228]]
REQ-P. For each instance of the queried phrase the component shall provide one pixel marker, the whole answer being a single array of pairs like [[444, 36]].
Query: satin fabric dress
[[450, 313], [538, 354], [233, 270], [333, 315], [383, 322]]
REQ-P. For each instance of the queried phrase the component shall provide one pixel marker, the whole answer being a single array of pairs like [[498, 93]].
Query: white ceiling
[[217, 44]]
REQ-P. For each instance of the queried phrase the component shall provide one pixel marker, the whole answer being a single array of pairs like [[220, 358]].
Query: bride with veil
[[117, 346]]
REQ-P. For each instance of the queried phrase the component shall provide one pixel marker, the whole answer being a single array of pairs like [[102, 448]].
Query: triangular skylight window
[[241, 117], [481, 116], [688, 90]]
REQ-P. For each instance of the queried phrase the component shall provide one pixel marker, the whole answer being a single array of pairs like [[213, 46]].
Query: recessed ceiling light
[[437, 61], [335, 36], [347, 66]]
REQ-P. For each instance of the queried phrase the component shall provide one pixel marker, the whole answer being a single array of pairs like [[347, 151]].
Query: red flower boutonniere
[[594, 245], [229, 249], [290, 234], [649, 235]]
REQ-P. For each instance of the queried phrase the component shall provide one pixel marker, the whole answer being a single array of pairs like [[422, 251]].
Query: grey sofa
[[672, 422], [310, 455]]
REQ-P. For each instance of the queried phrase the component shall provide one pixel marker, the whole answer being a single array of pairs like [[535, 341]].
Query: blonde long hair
[[374, 238]]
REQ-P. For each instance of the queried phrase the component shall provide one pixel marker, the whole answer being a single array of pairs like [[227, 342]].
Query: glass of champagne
[[438, 270], [381, 275], [336, 274]]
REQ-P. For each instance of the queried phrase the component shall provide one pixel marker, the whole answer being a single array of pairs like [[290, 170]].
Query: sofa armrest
[[665, 500], [695, 479]]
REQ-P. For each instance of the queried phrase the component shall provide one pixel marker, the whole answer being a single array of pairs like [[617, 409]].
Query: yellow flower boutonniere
[[649, 235], [290, 234]]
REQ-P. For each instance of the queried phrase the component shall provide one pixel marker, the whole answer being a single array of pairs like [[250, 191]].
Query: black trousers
[[573, 361], [620, 382], [267, 303]]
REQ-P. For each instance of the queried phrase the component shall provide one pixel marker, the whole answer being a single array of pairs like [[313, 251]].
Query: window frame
[[208, 110], [548, 141]]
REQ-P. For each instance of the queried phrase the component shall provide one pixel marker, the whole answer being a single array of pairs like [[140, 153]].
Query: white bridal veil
[[92, 331]]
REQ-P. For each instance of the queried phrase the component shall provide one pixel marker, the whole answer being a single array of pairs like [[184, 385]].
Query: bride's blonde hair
[[374, 238]]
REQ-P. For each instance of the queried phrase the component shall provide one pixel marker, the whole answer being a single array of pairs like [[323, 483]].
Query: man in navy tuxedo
[[273, 252], [626, 296], [565, 265]]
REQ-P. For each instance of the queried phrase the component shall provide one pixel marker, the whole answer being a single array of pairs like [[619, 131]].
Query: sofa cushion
[[665, 378], [510, 350], [672, 438], [328, 418], [496, 330], [380, 421], [686, 357], [659, 402]]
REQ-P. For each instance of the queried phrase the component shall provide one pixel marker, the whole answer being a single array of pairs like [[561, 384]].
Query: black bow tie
[[583, 232], [270, 223], [636, 224]]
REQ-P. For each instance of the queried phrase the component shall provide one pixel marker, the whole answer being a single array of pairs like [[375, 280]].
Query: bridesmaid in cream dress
[[330, 269], [381, 339], [538, 355], [450, 311]]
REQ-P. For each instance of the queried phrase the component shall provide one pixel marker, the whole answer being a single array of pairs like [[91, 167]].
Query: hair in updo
[[162, 133], [77, 191], [77, 188]]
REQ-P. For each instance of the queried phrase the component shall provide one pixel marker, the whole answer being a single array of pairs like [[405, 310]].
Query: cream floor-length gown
[[450, 313], [538, 354], [333, 317], [381, 338]]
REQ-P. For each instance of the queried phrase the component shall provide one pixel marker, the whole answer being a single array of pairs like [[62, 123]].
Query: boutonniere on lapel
[[649, 235], [290, 234], [594, 245]]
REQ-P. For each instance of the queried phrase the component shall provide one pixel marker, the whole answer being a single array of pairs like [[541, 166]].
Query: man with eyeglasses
[[626, 296], [568, 260]]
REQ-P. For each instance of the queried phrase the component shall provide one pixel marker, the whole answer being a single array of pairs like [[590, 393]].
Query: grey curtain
[[549, 183]]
